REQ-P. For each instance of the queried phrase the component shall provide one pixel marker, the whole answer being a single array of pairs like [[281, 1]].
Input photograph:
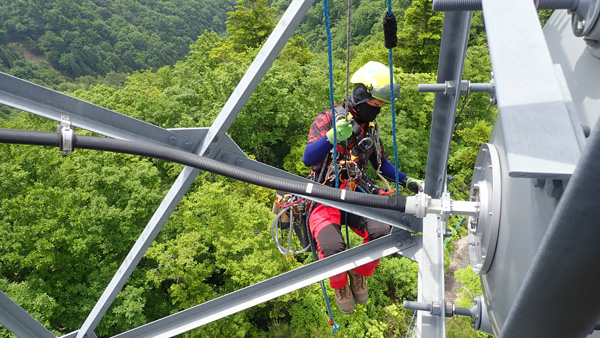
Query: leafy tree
[[413, 122], [68, 222], [419, 40], [250, 24], [470, 286], [92, 38]]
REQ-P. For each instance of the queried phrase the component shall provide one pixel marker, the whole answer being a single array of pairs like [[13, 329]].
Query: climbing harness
[[291, 212]]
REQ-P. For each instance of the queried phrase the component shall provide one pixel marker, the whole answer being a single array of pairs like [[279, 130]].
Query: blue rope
[[453, 231], [334, 324], [391, 58], [347, 232], [323, 288], [331, 101], [348, 236], [361, 189], [324, 291], [410, 325]]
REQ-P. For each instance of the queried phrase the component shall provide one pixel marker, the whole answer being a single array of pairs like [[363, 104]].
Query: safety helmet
[[375, 76]]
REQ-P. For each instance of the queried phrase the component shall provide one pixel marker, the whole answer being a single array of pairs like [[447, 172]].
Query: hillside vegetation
[[67, 222], [88, 37]]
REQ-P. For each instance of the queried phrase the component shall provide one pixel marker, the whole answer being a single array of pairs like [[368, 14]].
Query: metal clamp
[[478, 312], [66, 135], [422, 204], [447, 309], [418, 205], [465, 87], [493, 100]]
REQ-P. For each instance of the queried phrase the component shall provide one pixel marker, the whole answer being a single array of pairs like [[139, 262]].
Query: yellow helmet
[[376, 77]]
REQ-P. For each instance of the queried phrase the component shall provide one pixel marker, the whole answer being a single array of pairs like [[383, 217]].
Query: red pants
[[325, 226]]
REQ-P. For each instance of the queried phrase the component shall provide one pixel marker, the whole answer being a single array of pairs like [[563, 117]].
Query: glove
[[413, 184], [344, 131]]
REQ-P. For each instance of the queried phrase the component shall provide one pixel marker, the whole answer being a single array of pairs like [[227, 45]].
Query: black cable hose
[[168, 154]]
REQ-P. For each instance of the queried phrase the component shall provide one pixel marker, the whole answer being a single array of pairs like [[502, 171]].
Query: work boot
[[344, 299], [358, 285]]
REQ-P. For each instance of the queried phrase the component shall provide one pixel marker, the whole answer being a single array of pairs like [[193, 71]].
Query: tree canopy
[[96, 37]]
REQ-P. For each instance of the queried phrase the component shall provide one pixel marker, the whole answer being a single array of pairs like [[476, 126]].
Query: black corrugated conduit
[[168, 154]]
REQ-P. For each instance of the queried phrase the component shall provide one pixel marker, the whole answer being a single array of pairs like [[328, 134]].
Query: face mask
[[366, 112]]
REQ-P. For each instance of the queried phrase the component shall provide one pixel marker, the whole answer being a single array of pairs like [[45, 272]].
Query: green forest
[[67, 222], [51, 41]]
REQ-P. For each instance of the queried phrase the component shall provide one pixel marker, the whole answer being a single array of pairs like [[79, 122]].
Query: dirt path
[[459, 260]]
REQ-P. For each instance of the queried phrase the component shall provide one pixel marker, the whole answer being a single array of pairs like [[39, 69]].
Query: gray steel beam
[[431, 279], [453, 48], [19, 322], [531, 107], [48, 103], [566, 292], [268, 53], [74, 334], [398, 241], [272, 47]]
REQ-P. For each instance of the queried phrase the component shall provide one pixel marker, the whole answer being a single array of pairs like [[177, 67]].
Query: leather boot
[[358, 285], [344, 299]]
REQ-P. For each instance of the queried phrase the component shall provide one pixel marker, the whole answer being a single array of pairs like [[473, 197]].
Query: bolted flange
[[484, 227]]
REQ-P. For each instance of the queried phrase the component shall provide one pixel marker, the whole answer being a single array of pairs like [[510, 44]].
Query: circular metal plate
[[485, 189]]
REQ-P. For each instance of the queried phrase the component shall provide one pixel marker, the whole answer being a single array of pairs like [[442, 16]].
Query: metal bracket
[[465, 88], [422, 204], [478, 312], [493, 100], [66, 135], [584, 19], [487, 191], [449, 309]]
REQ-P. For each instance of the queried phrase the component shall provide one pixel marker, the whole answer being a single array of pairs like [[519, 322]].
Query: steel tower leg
[[455, 36]]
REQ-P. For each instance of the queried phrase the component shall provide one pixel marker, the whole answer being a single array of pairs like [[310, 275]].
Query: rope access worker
[[358, 143]]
